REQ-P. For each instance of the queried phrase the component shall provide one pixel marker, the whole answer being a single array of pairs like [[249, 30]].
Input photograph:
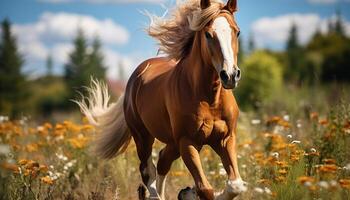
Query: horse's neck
[[201, 77]]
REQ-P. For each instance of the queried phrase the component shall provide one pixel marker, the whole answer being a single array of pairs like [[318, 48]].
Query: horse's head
[[221, 37]]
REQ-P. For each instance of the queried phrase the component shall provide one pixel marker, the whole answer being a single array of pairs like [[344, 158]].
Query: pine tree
[[338, 25], [294, 55], [78, 63], [95, 67], [12, 81], [49, 65]]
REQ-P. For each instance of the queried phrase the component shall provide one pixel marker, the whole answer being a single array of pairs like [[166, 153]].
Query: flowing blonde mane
[[175, 33]]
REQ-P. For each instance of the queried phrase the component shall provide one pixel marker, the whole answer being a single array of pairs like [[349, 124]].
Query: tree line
[[85, 60]]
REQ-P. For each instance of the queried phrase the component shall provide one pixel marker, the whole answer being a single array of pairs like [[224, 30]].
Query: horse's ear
[[231, 6], [205, 4]]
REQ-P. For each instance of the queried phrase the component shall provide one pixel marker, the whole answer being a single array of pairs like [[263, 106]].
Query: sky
[[48, 27]]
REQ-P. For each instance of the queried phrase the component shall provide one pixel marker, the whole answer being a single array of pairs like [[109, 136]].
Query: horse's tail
[[113, 134]]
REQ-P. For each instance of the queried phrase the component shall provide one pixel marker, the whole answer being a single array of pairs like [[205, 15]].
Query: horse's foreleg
[[166, 158], [227, 152], [190, 156]]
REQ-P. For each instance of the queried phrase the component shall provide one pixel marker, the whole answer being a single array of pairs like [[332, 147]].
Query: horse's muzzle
[[230, 81]]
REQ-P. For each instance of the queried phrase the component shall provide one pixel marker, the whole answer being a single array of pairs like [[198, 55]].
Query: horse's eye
[[238, 33], [208, 35]]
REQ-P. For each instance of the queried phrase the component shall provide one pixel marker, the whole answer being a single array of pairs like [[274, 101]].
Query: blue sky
[[48, 26]]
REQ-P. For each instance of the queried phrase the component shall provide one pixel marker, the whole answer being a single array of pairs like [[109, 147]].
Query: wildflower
[[314, 115], [323, 122], [267, 190], [329, 161], [286, 117], [258, 190], [23, 162], [347, 167], [47, 180], [282, 171], [4, 149], [304, 179], [313, 150], [282, 164], [289, 136], [222, 172], [329, 168], [323, 184], [264, 181], [345, 183], [296, 142], [275, 154], [256, 121], [12, 167]]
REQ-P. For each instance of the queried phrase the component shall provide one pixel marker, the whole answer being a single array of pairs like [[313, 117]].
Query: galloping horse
[[184, 100]]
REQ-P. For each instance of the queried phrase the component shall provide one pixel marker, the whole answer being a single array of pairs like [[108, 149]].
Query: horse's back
[[144, 103]]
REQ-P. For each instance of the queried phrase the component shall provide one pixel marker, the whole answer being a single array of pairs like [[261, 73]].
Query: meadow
[[303, 154]]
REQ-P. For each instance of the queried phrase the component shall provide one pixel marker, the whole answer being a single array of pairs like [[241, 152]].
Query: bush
[[261, 78]]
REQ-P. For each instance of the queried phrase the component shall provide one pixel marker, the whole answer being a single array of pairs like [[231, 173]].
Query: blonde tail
[[113, 137]]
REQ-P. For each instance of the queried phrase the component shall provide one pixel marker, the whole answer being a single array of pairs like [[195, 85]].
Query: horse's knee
[[205, 193]]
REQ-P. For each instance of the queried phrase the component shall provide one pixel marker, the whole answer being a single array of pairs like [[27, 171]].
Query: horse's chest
[[208, 127]]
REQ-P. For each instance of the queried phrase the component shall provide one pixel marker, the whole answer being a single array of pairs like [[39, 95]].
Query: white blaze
[[223, 31]]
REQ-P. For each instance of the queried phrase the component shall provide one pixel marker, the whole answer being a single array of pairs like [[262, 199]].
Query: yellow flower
[[47, 180], [282, 171], [23, 162]]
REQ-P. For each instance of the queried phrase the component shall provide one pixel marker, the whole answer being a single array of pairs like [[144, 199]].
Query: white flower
[[256, 121], [347, 167], [222, 171], [296, 142], [244, 166], [258, 190], [307, 183], [289, 136], [4, 149], [267, 190], [313, 150], [286, 117], [333, 183], [323, 184], [275, 154]]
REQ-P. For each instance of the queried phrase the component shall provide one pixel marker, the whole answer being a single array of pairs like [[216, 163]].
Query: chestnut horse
[[184, 100]]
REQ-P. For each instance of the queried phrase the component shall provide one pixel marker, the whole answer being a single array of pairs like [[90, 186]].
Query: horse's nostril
[[224, 76], [238, 75]]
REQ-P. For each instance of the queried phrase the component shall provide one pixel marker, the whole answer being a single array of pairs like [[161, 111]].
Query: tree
[[49, 65], [338, 25], [262, 79], [78, 62], [95, 65], [295, 58], [12, 81]]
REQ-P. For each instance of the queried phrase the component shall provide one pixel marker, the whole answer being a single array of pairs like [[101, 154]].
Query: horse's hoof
[[187, 194]]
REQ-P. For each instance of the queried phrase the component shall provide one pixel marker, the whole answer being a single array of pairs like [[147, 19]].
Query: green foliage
[[261, 78], [12, 81], [83, 64]]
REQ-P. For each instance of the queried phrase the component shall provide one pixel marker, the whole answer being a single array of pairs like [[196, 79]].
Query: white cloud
[[53, 34], [64, 26], [103, 1], [270, 31]]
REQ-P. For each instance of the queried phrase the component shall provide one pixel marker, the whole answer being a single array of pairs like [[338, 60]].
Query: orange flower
[[331, 168], [323, 122], [47, 180], [314, 115], [12, 167], [304, 179], [23, 162], [282, 164], [329, 161], [345, 183], [264, 181]]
